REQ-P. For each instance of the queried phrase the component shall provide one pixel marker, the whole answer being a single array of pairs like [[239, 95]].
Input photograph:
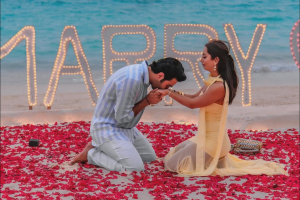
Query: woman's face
[[207, 62]]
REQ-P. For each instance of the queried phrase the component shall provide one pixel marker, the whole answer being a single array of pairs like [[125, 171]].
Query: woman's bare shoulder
[[218, 86]]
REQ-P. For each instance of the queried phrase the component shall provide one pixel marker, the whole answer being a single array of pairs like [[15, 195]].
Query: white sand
[[123, 181], [275, 104]]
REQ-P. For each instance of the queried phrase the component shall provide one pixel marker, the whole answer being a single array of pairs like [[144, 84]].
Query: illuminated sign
[[70, 36]]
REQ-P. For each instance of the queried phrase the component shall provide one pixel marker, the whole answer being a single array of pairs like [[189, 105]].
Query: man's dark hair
[[171, 67]]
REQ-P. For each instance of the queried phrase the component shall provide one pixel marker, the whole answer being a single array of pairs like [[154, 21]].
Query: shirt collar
[[145, 72]]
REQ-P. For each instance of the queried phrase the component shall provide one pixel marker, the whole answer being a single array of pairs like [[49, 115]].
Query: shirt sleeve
[[127, 92]]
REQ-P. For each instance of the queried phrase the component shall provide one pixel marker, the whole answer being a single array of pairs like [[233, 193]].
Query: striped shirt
[[113, 117]]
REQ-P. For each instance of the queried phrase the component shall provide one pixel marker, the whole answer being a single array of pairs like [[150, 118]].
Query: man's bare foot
[[82, 157]]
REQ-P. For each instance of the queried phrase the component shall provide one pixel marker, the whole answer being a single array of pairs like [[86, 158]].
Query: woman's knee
[[171, 165]]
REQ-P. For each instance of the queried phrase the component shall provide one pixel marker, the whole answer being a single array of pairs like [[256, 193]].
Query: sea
[[49, 17]]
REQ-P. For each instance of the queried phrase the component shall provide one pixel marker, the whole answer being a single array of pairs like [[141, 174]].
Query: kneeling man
[[117, 145]]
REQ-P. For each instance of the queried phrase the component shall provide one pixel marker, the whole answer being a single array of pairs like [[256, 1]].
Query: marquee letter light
[[245, 63], [192, 57], [110, 55], [295, 43], [27, 33], [68, 35]]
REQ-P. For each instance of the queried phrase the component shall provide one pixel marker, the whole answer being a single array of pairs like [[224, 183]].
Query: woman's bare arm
[[214, 94], [196, 94]]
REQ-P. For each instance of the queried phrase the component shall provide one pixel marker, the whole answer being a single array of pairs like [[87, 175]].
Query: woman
[[208, 152]]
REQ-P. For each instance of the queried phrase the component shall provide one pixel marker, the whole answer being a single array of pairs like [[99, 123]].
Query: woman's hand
[[163, 92]]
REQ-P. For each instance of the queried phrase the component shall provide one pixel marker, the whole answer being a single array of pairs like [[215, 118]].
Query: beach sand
[[45, 175], [275, 104]]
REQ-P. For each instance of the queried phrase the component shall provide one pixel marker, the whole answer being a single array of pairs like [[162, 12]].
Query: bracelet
[[179, 92], [147, 100], [171, 91]]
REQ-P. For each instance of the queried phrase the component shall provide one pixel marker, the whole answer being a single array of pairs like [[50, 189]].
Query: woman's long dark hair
[[225, 66]]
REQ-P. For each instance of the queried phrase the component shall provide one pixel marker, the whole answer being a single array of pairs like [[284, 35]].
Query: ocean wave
[[58, 3], [243, 5], [275, 67], [266, 19]]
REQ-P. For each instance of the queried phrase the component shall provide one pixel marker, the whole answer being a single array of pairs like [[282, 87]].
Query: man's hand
[[163, 92], [154, 97]]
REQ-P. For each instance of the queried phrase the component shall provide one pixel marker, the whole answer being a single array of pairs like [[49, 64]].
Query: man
[[117, 145]]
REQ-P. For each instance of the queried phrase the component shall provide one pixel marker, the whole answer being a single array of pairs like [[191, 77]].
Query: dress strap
[[211, 80]]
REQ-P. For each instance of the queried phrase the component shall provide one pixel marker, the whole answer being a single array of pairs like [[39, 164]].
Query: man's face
[[156, 83]]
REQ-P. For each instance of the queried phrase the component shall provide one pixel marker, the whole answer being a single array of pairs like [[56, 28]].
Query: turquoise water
[[50, 17]]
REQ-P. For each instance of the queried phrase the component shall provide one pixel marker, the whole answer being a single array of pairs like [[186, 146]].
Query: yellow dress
[[207, 153]]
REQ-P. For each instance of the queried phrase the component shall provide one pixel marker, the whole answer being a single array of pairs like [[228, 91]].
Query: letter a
[[69, 34]]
